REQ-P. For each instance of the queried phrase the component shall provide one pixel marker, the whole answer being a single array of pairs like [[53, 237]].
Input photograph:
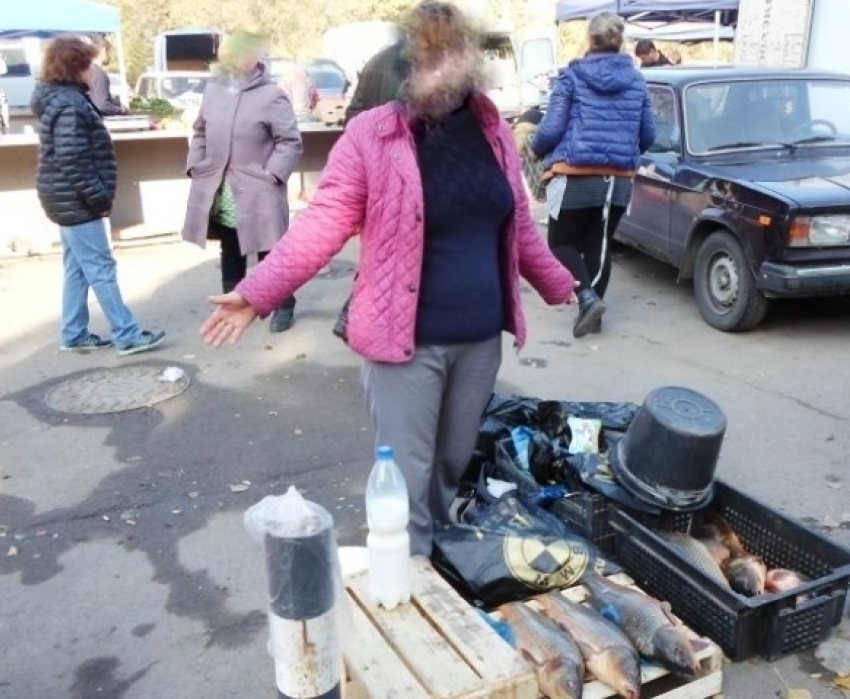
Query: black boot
[[590, 310], [340, 328], [283, 317]]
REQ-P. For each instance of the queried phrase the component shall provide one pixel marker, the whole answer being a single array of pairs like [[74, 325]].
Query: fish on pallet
[[554, 655], [648, 622], [608, 653]]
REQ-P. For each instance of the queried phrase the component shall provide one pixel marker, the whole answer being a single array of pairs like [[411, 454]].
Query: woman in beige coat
[[244, 147]]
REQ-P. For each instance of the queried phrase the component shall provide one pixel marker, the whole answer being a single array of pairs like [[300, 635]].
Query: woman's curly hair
[[66, 59]]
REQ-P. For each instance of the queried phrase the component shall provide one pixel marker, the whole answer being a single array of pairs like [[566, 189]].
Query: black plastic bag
[[504, 413], [509, 549]]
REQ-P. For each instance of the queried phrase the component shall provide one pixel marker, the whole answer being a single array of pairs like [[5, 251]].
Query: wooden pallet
[[658, 683], [436, 647]]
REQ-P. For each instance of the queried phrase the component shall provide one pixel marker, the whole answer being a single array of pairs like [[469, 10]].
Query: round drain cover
[[114, 390]]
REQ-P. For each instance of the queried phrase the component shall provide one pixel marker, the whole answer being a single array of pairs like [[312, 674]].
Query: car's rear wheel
[[725, 288]]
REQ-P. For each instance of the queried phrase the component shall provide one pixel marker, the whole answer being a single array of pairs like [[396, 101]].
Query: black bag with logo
[[507, 549]]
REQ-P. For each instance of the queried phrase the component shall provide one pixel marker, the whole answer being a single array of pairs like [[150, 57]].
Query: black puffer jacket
[[77, 171]]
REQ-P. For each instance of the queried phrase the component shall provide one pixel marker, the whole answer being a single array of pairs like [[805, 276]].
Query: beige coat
[[250, 136]]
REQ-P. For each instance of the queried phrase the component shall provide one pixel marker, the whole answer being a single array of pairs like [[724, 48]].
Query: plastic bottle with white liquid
[[388, 543]]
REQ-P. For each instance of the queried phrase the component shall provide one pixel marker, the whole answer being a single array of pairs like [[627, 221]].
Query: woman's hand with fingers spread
[[233, 314]]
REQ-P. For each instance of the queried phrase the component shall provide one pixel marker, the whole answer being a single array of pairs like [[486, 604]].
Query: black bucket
[[669, 453]]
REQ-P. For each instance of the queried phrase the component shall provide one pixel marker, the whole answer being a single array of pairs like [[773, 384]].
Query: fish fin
[[667, 609], [530, 659]]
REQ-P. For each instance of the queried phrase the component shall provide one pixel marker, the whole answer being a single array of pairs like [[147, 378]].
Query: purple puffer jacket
[[371, 184]]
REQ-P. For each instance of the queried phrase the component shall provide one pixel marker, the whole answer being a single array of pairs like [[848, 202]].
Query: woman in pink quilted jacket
[[432, 183]]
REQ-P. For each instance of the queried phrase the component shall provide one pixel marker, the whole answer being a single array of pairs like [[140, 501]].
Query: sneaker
[[147, 341], [88, 343]]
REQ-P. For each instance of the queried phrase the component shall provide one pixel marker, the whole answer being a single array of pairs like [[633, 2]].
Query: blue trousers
[[89, 264]]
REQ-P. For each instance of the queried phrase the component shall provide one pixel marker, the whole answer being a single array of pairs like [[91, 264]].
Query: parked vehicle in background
[[186, 50], [746, 190], [182, 89], [22, 58], [329, 78], [352, 44]]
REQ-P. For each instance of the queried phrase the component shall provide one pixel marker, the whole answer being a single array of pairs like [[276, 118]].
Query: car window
[[766, 113], [667, 128]]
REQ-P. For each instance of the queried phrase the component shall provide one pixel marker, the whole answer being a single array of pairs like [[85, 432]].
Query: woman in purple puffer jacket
[[432, 182], [598, 122]]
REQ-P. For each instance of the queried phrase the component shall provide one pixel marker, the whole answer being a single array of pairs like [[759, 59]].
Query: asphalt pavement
[[125, 567]]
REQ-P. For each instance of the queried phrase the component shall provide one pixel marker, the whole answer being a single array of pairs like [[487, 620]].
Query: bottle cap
[[385, 452]]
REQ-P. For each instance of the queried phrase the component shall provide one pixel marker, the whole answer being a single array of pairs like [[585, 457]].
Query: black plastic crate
[[585, 510], [770, 625]]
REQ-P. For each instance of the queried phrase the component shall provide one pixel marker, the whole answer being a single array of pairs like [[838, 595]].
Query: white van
[[22, 59], [186, 49]]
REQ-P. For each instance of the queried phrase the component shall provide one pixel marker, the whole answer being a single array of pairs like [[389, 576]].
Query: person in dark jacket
[[98, 82], [76, 180], [650, 56], [598, 122], [380, 80]]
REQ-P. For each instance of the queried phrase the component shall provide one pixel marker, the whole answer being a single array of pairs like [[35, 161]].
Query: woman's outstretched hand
[[233, 314]]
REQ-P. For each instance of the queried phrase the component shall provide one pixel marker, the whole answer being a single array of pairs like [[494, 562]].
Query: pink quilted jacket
[[371, 184]]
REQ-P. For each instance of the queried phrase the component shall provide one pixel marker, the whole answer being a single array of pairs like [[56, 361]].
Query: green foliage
[[157, 107]]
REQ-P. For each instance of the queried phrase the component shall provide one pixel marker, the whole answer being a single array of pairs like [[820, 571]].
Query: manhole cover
[[114, 390]]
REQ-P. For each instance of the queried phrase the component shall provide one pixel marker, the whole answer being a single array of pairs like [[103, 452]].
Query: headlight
[[819, 231]]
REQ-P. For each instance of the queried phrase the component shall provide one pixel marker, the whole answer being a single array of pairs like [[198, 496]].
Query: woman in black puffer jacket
[[77, 175]]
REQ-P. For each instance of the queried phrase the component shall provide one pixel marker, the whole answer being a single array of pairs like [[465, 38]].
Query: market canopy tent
[[44, 18], [648, 10], [682, 32], [667, 20]]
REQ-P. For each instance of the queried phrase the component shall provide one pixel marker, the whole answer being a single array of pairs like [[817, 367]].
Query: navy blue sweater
[[467, 202]]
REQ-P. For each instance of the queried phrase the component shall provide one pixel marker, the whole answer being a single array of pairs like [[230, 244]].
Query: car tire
[[725, 288]]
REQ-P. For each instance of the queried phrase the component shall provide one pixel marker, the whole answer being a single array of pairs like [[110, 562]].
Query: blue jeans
[[89, 263]]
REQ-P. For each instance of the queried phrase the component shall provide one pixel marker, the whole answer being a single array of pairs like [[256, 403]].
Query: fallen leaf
[[13, 551], [273, 413], [831, 522], [297, 430], [798, 694], [240, 487], [131, 522], [41, 532], [843, 682], [194, 494], [105, 518]]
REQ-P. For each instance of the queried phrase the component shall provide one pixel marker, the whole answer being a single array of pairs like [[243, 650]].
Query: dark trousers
[[234, 265], [577, 238]]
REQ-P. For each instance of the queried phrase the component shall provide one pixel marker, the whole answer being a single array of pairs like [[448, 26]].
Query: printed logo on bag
[[545, 564]]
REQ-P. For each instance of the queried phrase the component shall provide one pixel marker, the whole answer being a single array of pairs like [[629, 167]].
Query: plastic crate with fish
[[772, 624], [583, 509]]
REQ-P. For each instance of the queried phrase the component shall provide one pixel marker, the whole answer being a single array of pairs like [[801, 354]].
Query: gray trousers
[[428, 410]]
